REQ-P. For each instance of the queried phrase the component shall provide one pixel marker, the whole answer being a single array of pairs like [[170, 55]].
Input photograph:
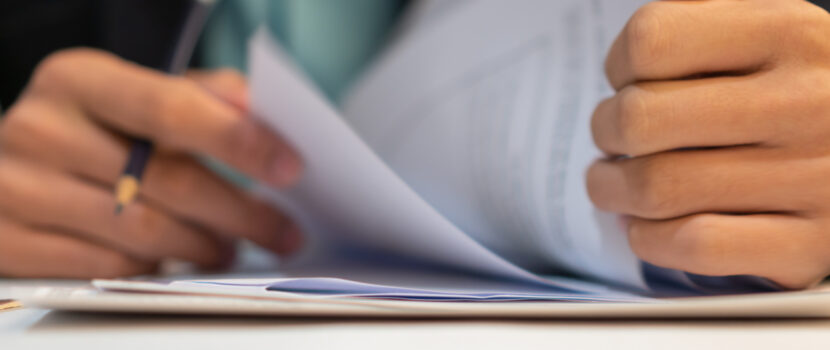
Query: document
[[464, 147], [454, 170], [348, 196], [193, 297], [427, 290]]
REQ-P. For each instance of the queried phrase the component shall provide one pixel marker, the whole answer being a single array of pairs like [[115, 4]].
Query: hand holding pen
[[63, 148]]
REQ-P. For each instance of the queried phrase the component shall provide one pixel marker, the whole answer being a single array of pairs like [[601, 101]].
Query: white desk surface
[[41, 329]]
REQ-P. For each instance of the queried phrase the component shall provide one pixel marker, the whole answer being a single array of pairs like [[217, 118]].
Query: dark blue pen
[[128, 185]]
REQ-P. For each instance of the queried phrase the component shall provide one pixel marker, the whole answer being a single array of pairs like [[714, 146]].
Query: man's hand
[[718, 139], [63, 146]]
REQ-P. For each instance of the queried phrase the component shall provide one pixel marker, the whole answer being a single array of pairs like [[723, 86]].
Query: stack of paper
[[450, 184]]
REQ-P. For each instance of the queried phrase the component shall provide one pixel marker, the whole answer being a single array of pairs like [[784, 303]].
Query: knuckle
[[633, 118], [812, 16], [54, 68], [644, 34], [26, 123], [800, 26], [798, 18], [167, 106], [813, 29]]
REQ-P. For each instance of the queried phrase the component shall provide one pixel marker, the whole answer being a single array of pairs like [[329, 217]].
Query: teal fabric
[[332, 40]]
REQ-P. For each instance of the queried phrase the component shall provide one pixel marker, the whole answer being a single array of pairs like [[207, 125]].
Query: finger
[[677, 39], [183, 186], [38, 128], [655, 117], [39, 196], [169, 110], [227, 84], [176, 183], [32, 253], [674, 184], [723, 245]]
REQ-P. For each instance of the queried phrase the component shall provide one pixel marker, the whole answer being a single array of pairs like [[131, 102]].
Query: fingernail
[[285, 170]]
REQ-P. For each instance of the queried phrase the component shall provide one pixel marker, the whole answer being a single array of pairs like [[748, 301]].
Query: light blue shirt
[[332, 40]]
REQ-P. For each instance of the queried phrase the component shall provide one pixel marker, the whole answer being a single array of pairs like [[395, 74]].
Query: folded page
[[413, 287], [802, 304], [342, 288], [347, 194], [483, 108]]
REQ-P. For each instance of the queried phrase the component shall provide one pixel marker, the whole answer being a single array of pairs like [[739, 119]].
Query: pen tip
[[125, 192]]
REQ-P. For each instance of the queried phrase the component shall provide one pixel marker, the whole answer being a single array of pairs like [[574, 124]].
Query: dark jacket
[[138, 30]]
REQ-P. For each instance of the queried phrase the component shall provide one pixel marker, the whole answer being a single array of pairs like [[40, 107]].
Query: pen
[[128, 185]]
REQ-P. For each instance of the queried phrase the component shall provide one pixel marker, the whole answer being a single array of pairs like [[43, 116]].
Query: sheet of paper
[[811, 303], [327, 287], [483, 108], [347, 194]]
